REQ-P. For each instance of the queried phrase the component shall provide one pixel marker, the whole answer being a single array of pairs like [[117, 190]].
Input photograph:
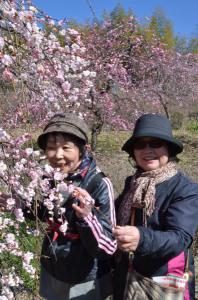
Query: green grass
[[27, 243]]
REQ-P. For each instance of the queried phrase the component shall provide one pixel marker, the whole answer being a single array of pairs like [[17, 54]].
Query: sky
[[182, 13]]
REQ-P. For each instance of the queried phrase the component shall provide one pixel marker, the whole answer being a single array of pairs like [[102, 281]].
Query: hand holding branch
[[86, 203], [128, 237]]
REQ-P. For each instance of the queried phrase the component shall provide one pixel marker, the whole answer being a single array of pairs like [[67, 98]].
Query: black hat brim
[[176, 144]]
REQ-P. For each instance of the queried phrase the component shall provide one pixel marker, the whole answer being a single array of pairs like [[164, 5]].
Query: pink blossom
[[33, 9], [62, 187], [61, 22], [3, 166], [4, 137], [2, 43], [61, 210], [72, 31], [7, 75], [19, 215], [60, 78], [40, 69], [6, 293], [48, 169], [48, 203], [58, 175], [6, 60], [29, 269], [62, 32], [66, 86], [28, 256], [63, 227], [34, 175], [10, 238], [10, 203], [86, 73], [28, 151]]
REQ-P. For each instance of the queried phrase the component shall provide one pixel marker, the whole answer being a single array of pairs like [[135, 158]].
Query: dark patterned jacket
[[84, 253]]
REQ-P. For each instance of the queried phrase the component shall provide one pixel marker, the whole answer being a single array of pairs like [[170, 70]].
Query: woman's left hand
[[128, 237], [86, 203]]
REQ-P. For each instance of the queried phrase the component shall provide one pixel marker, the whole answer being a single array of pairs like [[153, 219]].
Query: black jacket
[[87, 257], [170, 229]]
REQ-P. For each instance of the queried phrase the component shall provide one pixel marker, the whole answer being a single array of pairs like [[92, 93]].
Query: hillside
[[114, 162]]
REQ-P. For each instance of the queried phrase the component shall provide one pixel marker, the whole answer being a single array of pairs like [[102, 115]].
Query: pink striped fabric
[[104, 242], [111, 198]]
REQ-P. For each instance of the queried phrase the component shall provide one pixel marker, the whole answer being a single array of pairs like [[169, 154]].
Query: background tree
[[162, 27], [168, 36], [181, 44], [193, 45], [134, 73]]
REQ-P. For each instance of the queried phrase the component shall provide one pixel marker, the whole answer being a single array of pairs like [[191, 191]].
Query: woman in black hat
[[75, 264], [157, 218]]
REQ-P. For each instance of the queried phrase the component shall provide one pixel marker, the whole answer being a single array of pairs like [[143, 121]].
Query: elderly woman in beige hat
[[76, 264], [157, 217]]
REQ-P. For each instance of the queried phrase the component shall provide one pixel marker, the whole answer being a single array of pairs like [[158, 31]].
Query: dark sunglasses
[[152, 144]]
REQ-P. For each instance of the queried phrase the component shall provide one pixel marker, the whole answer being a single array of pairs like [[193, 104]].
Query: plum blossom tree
[[45, 75], [24, 182], [135, 74], [39, 76], [113, 92]]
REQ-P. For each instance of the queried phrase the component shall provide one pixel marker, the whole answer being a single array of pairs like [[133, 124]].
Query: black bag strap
[[95, 182]]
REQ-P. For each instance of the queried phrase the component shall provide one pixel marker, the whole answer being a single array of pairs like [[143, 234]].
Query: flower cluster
[[45, 62], [7, 282], [25, 181]]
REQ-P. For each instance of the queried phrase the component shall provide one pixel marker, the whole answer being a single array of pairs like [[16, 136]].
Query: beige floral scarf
[[141, 192]]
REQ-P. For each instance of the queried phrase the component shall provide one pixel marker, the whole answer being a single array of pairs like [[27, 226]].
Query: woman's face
[[62, 153], [150, 153]]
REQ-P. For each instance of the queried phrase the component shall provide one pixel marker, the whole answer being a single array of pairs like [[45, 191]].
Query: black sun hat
[[153, 125], [65, 123]]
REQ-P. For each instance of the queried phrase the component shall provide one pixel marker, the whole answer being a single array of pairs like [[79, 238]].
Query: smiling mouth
[[62, 165], [149, 158]]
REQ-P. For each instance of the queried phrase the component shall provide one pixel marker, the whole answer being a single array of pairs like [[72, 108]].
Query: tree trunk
[[98, 121], [164, 105], [96, 130]]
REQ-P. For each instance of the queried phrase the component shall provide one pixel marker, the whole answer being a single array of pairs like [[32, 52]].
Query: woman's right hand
[[128, 237], [86, 203]]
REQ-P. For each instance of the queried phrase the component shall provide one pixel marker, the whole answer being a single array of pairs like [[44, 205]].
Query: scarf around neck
[[141, 192], [82, 170]]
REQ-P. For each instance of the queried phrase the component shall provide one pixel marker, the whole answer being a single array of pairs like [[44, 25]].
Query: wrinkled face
[[150, 153], [62, 153]]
